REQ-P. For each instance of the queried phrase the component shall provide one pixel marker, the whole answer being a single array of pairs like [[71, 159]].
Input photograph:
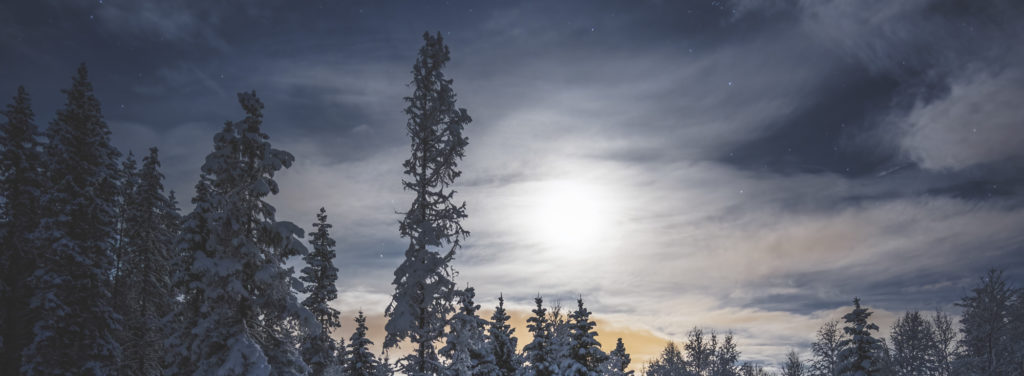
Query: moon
[[569, 217]]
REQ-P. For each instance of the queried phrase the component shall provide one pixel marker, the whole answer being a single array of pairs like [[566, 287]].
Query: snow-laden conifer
[[193, 237], [618, 360], [861, 352], [77, 327], [465, 347], [359, 361], [22, 184], [149, 296], [424, 288], [540, 353], [129, 180], [585, 357], [502, 342], [247, 316], [319, 349]]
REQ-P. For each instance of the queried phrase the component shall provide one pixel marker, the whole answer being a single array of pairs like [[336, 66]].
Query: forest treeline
[[102, 274]]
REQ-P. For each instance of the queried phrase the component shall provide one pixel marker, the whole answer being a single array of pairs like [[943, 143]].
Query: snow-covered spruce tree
[[359, 361], [793, 366], [194, 237], [560, 343], [129, 180], [77, 327], [148, 294], [465, 347], [585, 355], [248, 313], [669, 363], [826, 349], [22, 184], [386, 367], [618, 360], [502, 342], [914, 350], [423, 282], [539, 353], [987, 343], [319, 349], [861, 352]]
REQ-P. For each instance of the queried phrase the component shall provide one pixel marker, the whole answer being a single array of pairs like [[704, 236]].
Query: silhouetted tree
[[618, 360], [319, 349], [861, 352], [359, 361], [913, 346], [793, 366], [148, 293], [826, 350], [22, 185], [987, 342], [423, 282], [77, 328], [669, 363]]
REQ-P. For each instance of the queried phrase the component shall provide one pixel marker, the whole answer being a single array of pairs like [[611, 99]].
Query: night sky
[[744, 165]]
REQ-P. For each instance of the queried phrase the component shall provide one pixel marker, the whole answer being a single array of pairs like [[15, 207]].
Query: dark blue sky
[[739, 164]]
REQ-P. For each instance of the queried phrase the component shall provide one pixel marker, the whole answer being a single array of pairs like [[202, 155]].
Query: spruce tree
[[129, 179], [22, 184], [424, 288], [465, 348], [193, 239], [913, 346], [669, 363], [77, 328], [319, 349], [726, 358], [149, 296], [247, 312], [699, 351], [502, 342], [986, 325], [861, 352], [585, 355], [539, 353], [618, 360], [561, 339], [359, 361]]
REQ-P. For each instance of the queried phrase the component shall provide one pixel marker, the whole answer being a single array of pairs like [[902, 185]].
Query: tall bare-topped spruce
[[424, 288]]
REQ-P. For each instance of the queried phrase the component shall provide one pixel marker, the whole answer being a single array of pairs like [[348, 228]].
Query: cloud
[[176, 21], [979, 121]]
